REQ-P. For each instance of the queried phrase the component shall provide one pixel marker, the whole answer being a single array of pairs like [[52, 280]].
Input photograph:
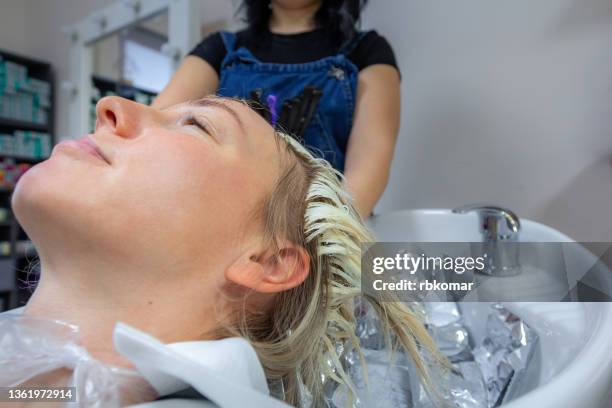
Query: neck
[[172, 309], [285, 20]]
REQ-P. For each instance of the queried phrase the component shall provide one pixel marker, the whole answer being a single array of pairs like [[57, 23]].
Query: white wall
[[13, 26], [504, 102]]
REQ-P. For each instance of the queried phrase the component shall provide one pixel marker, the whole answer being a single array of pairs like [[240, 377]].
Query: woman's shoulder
[[219, 39], [372, 48], [210, 49], [213, 48], [371, 41], [372, 37]]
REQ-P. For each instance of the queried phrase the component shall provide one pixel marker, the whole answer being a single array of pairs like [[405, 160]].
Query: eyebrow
[[215, 101]]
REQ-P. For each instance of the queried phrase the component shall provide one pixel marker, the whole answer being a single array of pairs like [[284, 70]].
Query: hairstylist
[[331, 86]]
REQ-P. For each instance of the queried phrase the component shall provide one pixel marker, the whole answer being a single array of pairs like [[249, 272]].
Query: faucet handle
[[496, 223]]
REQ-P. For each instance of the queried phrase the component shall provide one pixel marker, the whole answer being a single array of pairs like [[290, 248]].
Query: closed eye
[[193, 121], [202, 125]]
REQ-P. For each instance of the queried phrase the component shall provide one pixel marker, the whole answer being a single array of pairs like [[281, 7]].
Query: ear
[[267, 272]]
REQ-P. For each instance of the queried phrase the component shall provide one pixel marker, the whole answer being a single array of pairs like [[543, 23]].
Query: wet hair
[[340, 18], [297, 339]]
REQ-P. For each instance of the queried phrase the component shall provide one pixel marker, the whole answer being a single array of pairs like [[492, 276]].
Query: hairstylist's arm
[[372, 141], [194, 79]]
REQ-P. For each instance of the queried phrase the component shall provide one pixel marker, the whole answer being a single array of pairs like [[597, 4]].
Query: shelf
[[23, 125], [120, 88], [23, 159], [23, 60], [24, 249]]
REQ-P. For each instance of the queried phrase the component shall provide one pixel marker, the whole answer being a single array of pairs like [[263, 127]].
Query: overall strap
[[229, 40], [350, 46]]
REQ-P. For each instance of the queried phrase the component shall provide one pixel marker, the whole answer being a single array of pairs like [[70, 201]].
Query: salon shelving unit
[[17, 257], [119, 88]]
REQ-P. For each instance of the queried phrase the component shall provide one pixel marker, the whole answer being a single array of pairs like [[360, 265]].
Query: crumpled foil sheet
[[489, 366]]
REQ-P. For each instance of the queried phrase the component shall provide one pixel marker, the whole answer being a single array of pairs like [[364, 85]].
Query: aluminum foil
[[382, 385], [490, 364], [504, 354]]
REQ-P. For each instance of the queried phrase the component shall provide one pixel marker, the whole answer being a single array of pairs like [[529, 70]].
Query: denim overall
[[336, 76]]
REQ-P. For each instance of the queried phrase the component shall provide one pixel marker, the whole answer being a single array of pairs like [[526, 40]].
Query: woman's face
[[180, 183]]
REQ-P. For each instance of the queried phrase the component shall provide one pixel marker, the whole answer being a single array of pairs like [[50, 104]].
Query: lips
[[87, 144]]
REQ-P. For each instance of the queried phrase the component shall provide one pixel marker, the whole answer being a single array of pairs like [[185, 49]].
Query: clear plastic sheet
[[33, 346], [488, 364]]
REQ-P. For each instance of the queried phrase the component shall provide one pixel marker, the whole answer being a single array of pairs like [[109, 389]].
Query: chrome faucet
[[500, 228]]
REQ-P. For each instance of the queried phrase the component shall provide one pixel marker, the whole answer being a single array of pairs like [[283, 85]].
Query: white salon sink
[[572, 365]]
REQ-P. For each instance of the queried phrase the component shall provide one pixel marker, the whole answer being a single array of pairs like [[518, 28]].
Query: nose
[[121, 116]]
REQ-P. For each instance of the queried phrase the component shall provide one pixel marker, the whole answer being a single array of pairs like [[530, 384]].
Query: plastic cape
[[224, 373]]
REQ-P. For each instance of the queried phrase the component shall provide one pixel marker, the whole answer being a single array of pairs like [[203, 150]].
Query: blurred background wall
[[504, 102]]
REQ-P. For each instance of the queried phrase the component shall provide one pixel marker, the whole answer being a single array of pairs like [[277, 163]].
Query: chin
[[29, 200], [46, 201], [30, 191], [62, 210]]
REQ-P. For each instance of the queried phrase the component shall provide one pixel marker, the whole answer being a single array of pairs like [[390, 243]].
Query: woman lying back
[[200, 222]]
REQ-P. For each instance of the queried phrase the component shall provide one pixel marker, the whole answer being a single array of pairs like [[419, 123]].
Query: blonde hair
[[296, 340]]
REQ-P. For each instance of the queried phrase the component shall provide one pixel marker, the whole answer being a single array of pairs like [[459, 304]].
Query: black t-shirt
[[296, 48]]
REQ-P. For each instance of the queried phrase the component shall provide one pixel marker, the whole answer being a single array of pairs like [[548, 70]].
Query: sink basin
[[572, 364]]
